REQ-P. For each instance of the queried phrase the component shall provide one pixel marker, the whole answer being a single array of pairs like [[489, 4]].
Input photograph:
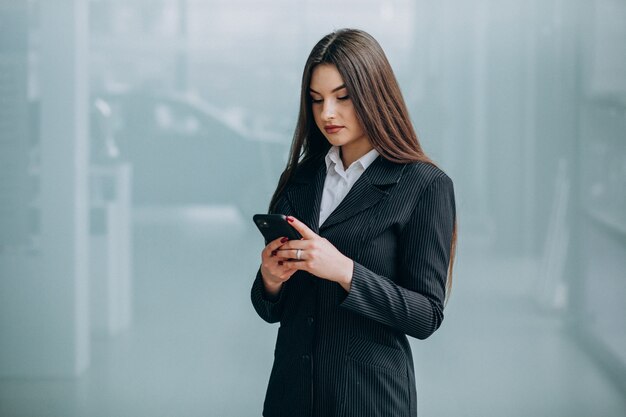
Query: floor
[[197, 348]]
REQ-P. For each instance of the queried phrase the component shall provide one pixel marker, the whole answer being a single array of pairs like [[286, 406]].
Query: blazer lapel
[[305, 195], [369, 189]]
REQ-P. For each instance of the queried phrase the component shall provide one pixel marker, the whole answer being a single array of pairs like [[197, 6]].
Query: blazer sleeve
[[413, 304], [268, 308]]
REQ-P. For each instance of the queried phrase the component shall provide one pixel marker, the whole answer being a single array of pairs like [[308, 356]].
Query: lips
[[332, 128]]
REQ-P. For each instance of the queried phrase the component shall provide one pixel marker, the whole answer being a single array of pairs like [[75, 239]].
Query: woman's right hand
[[272, 270]]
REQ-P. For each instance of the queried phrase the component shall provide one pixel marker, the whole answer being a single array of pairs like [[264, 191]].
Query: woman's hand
[[317, 256], [273, 269]]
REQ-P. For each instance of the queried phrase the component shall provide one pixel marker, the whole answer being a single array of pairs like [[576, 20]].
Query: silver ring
[[298, 253]]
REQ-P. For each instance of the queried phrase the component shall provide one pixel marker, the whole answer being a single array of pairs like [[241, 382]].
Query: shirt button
[[310, 320], [306, 357]]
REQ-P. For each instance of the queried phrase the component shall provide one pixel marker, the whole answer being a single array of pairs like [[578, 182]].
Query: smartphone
[[273, 226]]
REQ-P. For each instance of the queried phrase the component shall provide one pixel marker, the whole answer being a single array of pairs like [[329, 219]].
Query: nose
[[328, 111]]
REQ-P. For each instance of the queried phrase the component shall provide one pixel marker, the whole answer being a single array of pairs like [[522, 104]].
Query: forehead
[[325, 78]]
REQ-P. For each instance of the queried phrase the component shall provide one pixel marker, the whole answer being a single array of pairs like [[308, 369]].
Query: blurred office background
[[138, 137]]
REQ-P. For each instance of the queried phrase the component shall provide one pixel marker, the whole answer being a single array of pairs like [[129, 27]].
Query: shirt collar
[[333, 158]]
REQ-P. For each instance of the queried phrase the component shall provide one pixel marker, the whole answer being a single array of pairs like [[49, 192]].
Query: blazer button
[[310, 320], [306, 357]]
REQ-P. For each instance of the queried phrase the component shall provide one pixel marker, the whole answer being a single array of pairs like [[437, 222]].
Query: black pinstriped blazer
[[347, 354]]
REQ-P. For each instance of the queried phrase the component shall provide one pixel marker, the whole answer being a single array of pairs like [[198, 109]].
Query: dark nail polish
[[280, 263], [289, 219], [273, 253], [283, 240]]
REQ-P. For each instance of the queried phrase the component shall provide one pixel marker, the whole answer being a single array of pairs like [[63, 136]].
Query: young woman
[[378, 227]]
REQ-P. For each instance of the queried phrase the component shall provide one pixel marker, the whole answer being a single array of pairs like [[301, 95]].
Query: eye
[[319, 100], [343, 98]]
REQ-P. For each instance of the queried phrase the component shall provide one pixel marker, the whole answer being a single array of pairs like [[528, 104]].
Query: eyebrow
[[333, 90]]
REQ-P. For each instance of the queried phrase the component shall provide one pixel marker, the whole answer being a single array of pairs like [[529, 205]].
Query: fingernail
[[289, 218], [273, 253], [280, 263], [283, 240]]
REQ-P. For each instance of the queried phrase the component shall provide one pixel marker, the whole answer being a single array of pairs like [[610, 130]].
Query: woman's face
[[333, 109]]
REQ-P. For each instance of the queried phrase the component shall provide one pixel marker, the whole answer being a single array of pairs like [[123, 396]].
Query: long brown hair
[[378, 103]]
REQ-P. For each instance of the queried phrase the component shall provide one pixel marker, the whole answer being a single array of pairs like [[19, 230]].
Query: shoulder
[[427, 193], [420, 176]]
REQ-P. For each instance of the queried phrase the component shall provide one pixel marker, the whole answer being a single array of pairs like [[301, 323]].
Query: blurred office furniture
[[551, 283], [110, 263], [186, 151], [14, 139], [601, 256], [44, 317], [602, 253], [191, 115]]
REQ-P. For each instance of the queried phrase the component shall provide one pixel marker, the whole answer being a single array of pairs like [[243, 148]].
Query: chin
[[335, 141]]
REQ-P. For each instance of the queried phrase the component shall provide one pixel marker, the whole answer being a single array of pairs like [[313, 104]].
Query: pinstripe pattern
[[347, 354]]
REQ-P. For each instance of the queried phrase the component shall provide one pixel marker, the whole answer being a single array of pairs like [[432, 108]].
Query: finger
[[301, 227], [273, 265], [274, 244], [294, 244], [278, 269], [295, 264], [289, 254], [287, 274]]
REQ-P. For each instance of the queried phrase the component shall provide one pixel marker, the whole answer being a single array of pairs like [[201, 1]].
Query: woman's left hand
[[317, 256]]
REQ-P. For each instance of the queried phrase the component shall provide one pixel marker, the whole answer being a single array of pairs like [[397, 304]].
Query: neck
[[353, 151]]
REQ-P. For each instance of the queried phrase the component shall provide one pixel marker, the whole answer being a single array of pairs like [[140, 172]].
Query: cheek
[[350, 115], [354, 122]]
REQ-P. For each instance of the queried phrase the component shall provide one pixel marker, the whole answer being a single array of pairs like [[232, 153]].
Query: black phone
[[273, 226]]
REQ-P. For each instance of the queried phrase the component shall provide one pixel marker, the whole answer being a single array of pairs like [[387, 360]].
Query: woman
[[378, 227]]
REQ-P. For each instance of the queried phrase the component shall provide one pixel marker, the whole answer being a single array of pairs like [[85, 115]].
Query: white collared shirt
[[339, 180]]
